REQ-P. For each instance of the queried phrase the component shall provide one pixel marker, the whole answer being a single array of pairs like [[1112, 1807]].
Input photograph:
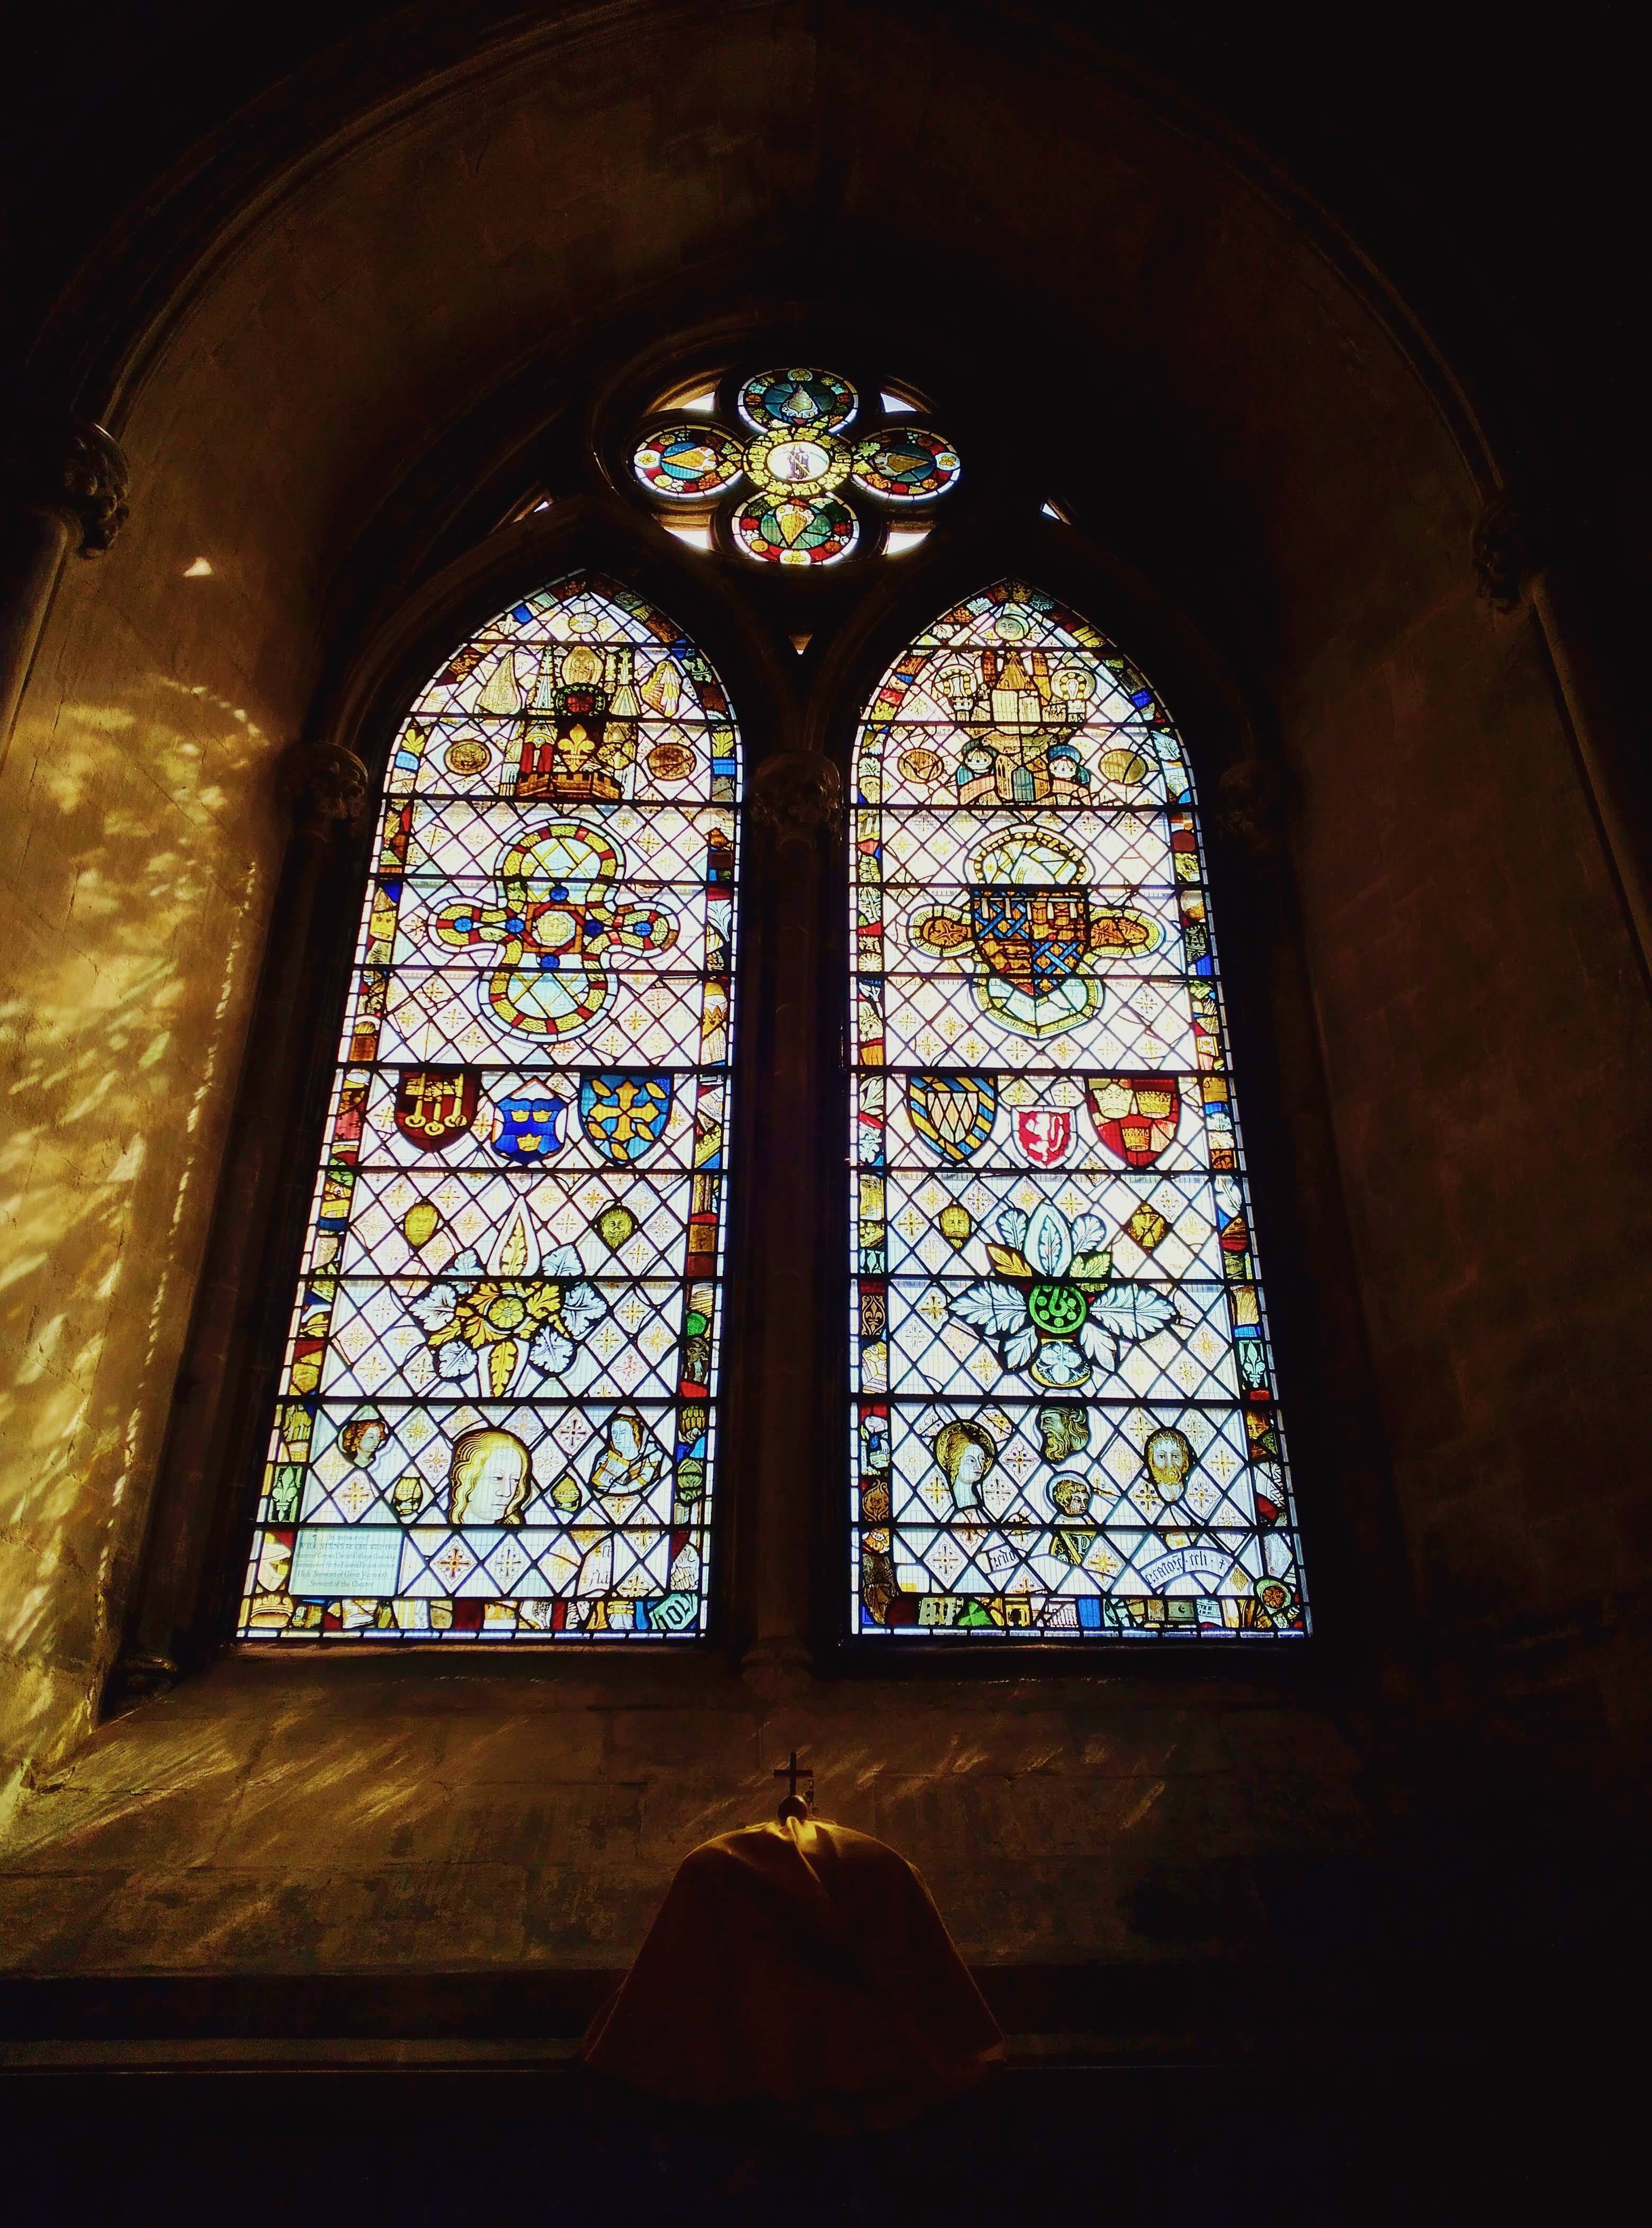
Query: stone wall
[[1272, 454], [286, 1817]]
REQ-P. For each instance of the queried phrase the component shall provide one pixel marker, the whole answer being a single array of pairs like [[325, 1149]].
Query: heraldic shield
[[625, 1115], [1034, 938], [436, 1106], [1044, 1135], [953, 1114], [1136, 1115], [530, 1127]]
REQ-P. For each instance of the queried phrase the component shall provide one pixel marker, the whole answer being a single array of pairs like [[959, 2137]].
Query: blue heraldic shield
[[530, 1127], [625, 1115]]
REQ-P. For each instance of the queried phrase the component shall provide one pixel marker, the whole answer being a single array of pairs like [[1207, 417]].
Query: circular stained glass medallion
[[671, 761], [687, 463], [470, 754], [799, 464], [793, 530], [906, 464], [791, 401]]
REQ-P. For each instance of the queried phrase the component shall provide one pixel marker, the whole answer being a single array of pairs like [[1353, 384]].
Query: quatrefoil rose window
[[799, 485]]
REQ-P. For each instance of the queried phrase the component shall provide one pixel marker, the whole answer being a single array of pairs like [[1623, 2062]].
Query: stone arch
[[1279, 447]]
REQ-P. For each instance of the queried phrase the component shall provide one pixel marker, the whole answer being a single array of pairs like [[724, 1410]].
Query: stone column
[[797, 798], [220, 1403], [63, 487], [1358, 1558], [1528, 549]]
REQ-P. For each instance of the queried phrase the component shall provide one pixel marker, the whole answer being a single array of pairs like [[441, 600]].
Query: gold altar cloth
[[804, 1964]]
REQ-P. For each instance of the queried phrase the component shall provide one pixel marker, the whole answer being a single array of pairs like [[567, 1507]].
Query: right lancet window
[[1065, 1422]]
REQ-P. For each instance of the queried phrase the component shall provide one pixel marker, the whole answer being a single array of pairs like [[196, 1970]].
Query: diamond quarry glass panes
[[1064, 1421], [498, 1412]]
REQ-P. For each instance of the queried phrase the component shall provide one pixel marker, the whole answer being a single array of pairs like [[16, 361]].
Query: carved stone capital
[[69, 466], [1508, 549], [1250, 812], [324, 784], [794, 795]]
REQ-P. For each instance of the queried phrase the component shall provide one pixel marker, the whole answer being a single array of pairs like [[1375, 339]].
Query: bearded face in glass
[[490, 1480], [1064, 1429], [1168, 1457]]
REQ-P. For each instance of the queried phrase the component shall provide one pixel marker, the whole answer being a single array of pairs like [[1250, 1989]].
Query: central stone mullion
[[792, 1311]]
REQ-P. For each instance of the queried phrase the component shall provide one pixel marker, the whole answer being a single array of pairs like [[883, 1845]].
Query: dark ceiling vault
[[1490, 183], [1494, 179]]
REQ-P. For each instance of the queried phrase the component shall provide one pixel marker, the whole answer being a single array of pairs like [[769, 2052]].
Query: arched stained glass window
[[497, 1413], [1064, 1415]]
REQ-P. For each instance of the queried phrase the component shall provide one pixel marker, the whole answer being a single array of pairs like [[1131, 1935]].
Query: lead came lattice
[[498, 1414], [1064, 1420]]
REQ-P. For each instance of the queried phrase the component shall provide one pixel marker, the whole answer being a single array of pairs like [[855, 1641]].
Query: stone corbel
[[1250, 812], [62, 486], [795, 794], [1508, 548], [325, 786], [70, 467]]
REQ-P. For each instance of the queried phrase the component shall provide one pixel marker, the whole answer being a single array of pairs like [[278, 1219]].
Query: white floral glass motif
[[497, 1418], [1064, 1419]]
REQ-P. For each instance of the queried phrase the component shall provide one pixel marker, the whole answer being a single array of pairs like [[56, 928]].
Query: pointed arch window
[[497, 1414], [1064, 1421]]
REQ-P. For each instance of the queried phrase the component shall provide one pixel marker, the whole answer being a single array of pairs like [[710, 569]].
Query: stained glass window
[[804, 447], [497, 1417], [1064, 1417]]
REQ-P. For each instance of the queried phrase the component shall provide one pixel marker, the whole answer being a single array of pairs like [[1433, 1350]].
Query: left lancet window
[[497, 1416]]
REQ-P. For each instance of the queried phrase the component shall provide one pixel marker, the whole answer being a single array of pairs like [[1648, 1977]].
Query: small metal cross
[[791, 1771]]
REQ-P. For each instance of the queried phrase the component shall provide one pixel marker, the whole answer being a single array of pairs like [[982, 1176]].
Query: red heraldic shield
[[1136, 1115], [435, 1106], [1044, 1134]]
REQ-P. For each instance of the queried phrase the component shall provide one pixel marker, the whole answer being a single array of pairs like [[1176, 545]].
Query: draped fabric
[[803, 1964]]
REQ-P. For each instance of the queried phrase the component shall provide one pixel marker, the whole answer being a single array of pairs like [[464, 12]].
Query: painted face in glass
[[1064, 1429], [964, 1453], [1071, 1497], [496, 1488], [489, 1479], [1169, 1458]]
